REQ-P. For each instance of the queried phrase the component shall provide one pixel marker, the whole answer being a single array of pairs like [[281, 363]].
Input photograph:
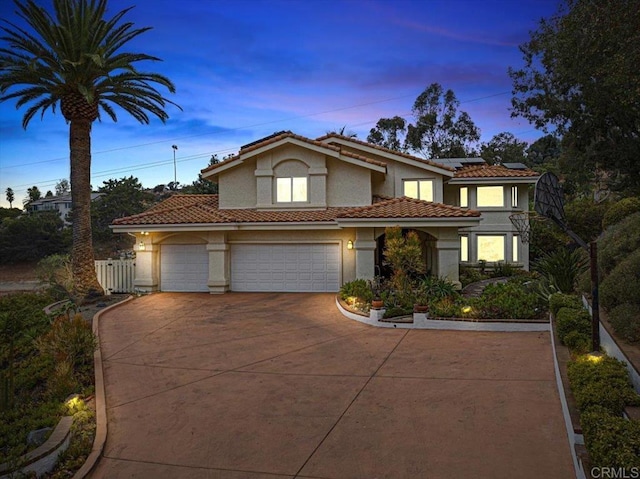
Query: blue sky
[[244, 69]]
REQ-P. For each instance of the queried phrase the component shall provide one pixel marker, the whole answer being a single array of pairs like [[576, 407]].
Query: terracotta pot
[[377, 304], [420, 308]]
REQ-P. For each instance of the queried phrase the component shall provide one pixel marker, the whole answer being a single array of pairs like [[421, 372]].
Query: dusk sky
[[244, 69]]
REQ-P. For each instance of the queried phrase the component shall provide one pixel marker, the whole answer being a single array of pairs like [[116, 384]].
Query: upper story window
[[419, 189], [490, 196], [464, 197], [514, 196], [291, 190]]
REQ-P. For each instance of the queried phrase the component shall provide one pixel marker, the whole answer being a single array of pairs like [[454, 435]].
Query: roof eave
[[493, 180], [457, 222]]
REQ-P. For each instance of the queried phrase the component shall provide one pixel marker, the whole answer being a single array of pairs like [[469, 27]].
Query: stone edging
[[420, 321], [101, 405], [43, 458]]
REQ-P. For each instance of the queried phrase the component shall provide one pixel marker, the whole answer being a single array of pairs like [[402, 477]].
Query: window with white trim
[[291, 190], [464, 248], [514, 196], [490, 196], [464, 197], [514, 249], [491, 248], [419, 189]]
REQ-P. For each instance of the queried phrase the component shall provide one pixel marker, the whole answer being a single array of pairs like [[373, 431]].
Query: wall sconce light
[[349, 244], [141, 246]]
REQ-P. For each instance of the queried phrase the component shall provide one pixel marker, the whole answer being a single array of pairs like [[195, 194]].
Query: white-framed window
[[514, 196], [464, 248], [419, 189], [290, 190], [514, 249], [464, 197], [491, 248], [490, 196]]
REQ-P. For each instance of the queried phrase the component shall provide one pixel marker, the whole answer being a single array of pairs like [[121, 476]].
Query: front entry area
[[301, 267]]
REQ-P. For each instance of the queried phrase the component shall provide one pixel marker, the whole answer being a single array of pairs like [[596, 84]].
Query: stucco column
[[448, 257], [364, 247], [219, 263], [147, 266]]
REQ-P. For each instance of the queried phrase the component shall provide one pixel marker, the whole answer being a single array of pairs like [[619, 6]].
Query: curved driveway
[[268, 386]]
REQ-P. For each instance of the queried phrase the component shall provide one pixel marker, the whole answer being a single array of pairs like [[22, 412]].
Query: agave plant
[[562, 268]]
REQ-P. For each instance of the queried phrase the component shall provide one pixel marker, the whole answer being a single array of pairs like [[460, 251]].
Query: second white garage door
[[184, 267], [285, 267]]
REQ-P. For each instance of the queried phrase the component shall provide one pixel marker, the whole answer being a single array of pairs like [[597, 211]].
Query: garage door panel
[[184, 268], [285, 267]]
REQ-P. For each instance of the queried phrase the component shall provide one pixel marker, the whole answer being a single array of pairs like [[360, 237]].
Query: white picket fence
[[116, 275]]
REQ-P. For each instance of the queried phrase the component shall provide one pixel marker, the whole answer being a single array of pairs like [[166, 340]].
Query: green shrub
[[611, 441], [578, 342], [618, 242], [571, 319], [469, 274], [562, 268], [436, 288], [561, 300], [625, 319], [507, 300], [397, 311], [603, 383], [72, 341], [448, 307], [55, 270], [620, 210], [623, 284], [359, 288]]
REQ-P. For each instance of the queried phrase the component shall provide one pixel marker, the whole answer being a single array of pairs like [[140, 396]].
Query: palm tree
[[72, 59]]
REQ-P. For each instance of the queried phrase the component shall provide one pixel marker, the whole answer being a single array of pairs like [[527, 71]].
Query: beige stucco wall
[[237, 187], [347, 184]]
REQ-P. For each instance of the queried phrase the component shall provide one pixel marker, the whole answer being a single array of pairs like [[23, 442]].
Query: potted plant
[[376, 287]]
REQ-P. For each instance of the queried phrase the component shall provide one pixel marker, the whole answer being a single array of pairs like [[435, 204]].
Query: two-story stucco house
[[298, 214]]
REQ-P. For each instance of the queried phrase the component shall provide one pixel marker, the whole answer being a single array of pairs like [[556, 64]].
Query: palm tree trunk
[[82, 259]]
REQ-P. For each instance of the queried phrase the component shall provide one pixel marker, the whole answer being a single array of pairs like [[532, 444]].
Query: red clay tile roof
[[274, 139], [387, 150], [493, 171], [408, 208], [203, 209]]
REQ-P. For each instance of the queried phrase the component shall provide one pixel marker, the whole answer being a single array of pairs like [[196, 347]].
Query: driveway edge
[[101, 404]]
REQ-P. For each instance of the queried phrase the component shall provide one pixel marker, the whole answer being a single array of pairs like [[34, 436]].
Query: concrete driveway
[[282, 385]]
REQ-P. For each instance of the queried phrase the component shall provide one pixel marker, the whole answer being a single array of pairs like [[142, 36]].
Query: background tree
[[544, 153], [10, 197], [581, 79], [62, 187], [33, 194], [389, 133], [32, 237], [123, 197], [440, 130], [504, 148], [74, 59]]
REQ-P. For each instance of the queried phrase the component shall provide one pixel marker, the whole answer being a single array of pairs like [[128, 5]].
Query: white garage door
[[285, 267], [184, 267]]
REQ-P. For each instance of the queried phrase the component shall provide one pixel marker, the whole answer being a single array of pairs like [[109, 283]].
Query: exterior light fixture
[[349, 244], [141, 246]]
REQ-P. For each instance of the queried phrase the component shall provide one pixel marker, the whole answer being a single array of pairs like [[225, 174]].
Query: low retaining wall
[[421, 321], [42, 459]]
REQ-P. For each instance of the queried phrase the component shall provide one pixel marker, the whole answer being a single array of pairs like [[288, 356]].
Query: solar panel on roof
[[515, 166]]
